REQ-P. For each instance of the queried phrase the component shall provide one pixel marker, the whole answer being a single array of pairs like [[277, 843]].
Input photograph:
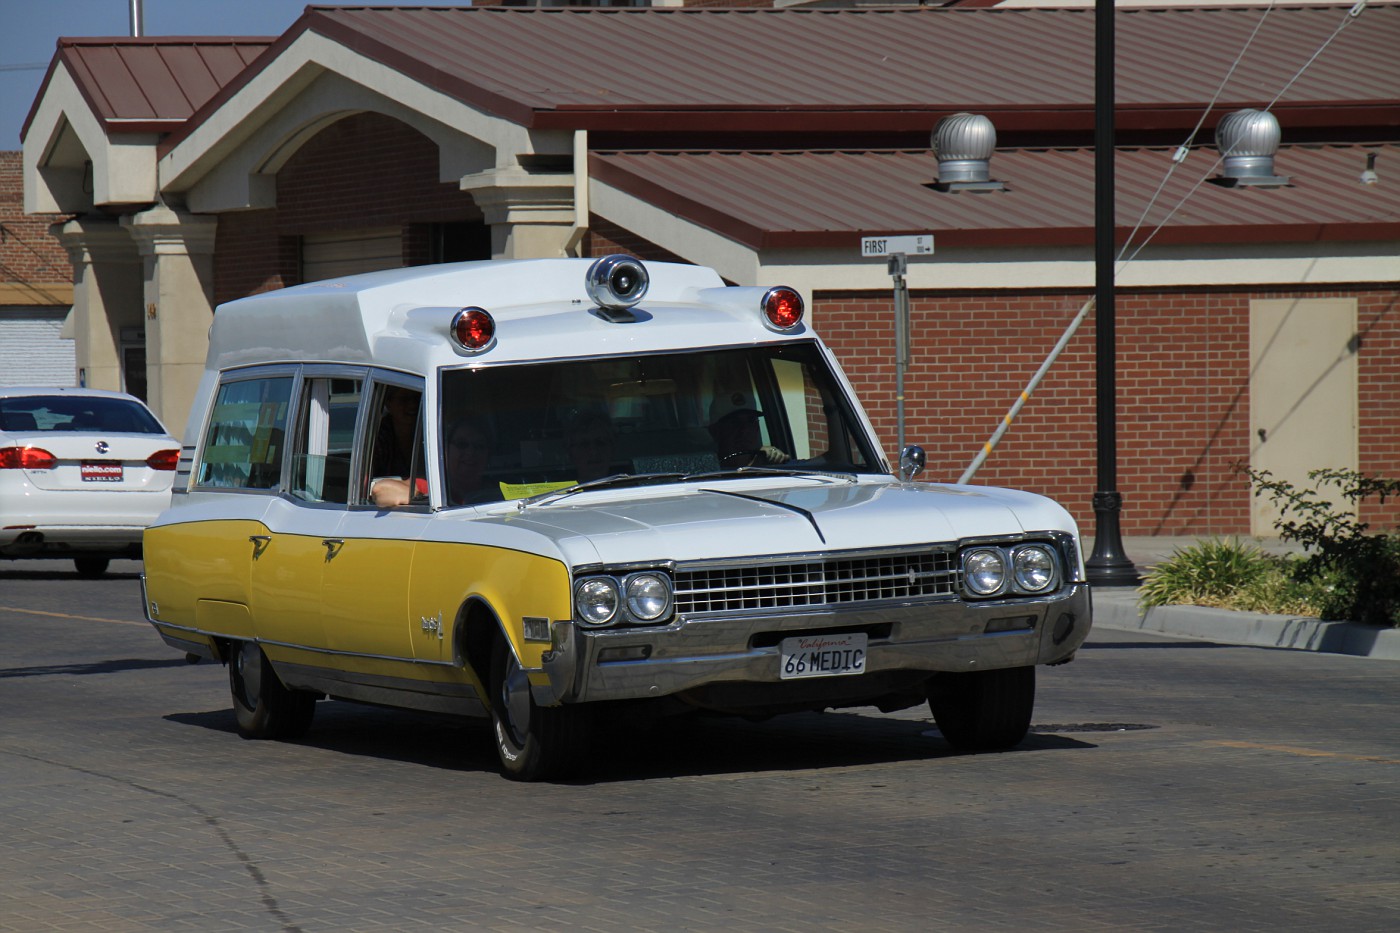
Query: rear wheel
[[91, 566], [263, 706], [982, 711], [534, 742]]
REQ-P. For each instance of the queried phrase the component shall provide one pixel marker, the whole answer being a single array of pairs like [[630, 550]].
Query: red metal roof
[[150, 85], [866, 69], [822, 199]]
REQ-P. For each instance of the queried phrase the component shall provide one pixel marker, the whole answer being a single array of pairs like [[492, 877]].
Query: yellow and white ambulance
[[545, 491]]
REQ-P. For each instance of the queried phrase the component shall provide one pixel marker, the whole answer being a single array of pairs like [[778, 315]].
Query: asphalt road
[[1166, 786]]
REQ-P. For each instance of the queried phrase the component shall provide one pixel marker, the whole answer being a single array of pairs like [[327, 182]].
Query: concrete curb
[[1117, 608]]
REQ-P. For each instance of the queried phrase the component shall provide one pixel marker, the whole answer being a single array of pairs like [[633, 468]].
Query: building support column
[[107, 295], [178, 250], [531, 214]]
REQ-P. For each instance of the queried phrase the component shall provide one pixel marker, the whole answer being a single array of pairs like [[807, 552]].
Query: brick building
[[1259, 328], [36, 290]]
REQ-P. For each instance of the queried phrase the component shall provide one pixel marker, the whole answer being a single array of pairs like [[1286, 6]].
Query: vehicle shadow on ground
[[66, 576], [95, 667], [677, 748]]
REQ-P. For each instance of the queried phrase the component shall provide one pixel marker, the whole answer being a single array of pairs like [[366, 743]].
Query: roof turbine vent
[[1248, 141], [964, 143]]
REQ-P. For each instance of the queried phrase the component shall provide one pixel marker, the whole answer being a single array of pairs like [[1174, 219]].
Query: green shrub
[[1227, 574], [1351, 574]]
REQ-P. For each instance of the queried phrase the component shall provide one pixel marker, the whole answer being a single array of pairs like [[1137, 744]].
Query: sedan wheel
[[982, 711], [534, 742], [263, 706]]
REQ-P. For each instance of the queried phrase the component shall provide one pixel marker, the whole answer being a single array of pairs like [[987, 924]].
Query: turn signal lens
[[26, 458], [783, 308], [474, 329], [163, 460]]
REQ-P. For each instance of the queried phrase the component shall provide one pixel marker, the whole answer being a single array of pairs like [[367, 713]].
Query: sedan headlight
[[648, 596], [984, 570], [1034, 568], [596, 600]]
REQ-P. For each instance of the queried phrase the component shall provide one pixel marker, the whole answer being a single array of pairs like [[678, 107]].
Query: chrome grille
[[813, 583]]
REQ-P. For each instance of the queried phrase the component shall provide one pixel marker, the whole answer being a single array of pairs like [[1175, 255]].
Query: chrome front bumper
[[943, 635]]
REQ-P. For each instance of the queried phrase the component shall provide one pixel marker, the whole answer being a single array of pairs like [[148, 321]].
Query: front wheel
[[983, 711], [262, 704], [534, 742]]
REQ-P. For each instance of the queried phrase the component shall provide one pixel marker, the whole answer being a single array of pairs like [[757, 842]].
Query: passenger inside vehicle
[[466, 454], [590, 442], [738, 440]]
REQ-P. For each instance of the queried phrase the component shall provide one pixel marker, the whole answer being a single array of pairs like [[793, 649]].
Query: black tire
[[263, 706], [983, 711], [534, 743], [91, 566]]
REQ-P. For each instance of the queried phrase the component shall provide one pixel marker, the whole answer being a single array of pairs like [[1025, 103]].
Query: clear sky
[[29, 30]]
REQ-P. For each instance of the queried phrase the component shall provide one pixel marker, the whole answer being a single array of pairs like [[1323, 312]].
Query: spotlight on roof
[[1248, 140], [963, 144]]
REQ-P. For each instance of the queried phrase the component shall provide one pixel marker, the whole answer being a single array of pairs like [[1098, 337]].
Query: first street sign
[[921, 245]]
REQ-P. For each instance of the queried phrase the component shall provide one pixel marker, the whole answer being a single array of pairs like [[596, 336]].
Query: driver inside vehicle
[[738, 438]]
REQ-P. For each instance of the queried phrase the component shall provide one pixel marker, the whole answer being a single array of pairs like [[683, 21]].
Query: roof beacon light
[[782, 308], [616, 283], [474, 330]]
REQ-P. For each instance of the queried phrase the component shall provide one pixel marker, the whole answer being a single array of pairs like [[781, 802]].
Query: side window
[[395, 437], [325, 437], [244, 444]]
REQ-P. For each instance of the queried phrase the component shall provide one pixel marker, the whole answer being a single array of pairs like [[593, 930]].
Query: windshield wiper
[[743, 471], [615, 481]]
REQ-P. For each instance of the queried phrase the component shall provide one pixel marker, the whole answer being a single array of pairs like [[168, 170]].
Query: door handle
[[333, 546], [260, 543]]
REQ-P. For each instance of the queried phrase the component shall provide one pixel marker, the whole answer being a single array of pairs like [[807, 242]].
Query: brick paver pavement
[[1168, 786]]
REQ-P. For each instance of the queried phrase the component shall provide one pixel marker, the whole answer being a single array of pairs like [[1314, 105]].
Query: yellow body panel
[[217, 615], [286, 590], [187, 562], [363, 592], [514, 584]]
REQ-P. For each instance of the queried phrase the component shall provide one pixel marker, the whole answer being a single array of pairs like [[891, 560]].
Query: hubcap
[[515, 701], [249, 663]]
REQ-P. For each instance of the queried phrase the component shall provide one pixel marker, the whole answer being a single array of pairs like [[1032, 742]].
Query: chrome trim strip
[[335, 652]]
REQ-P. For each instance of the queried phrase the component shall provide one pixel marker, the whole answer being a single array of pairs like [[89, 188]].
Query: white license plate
[[102, 472], [822, 655]]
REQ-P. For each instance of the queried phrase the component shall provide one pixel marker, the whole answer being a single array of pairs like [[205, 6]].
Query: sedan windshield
[[76, 413], [517, 431]]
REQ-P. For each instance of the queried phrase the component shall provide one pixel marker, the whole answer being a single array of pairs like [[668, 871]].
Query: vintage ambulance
[[550, 492]]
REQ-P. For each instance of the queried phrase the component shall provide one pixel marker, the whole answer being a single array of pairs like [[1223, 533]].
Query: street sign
[[921, 245]]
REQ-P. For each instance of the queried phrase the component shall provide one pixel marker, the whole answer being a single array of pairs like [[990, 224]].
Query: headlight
[[596, 600], [984, 571], [648, 596], [1034, 568]]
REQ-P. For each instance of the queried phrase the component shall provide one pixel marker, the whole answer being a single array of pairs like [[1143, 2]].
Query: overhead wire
[[1121, 263]]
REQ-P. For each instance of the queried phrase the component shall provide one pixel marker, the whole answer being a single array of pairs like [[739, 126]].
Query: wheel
[[264, 708], [534, 742], [980, 711], [91, 566]]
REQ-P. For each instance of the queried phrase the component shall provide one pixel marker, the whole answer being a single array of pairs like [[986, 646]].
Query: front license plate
[[109, 471], [822, 655]]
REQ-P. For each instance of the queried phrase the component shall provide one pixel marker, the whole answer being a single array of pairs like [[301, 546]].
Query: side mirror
[[911, 462]]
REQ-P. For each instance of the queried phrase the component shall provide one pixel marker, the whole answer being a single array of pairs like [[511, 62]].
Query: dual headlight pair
[[640, 598], [1023, 569]]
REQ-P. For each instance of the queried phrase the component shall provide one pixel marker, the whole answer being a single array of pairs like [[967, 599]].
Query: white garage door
[[346, 252], [31, 351]]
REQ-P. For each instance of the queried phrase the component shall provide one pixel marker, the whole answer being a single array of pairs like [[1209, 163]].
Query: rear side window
[[77, 413], [244, 445]]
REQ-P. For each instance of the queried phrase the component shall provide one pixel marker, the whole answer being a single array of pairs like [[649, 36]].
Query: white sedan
[[82, 473]]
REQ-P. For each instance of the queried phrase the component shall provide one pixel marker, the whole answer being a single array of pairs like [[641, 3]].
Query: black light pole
[[1108, 565]]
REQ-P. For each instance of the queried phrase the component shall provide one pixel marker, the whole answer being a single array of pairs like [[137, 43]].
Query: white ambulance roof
[[400, 318]]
